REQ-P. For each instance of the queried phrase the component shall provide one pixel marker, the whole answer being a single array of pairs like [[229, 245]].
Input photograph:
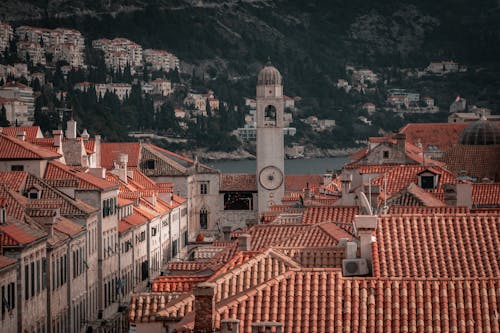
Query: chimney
[[365, 225], [245, 242], [47, 218], [3, 215], [21, 135], [400, 141], [226, 231], [327, 178], [458, 195], [230, 325], [204, 307], [71, 129], [122, 168], [85, 135], [58, 135], [351, 250], [307, 192], [97, 145], [346, 180]]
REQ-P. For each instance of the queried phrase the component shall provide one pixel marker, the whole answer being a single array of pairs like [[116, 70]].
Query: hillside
[[309, 41]]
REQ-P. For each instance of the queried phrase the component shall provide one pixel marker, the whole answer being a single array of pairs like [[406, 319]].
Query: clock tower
[[270, 143]]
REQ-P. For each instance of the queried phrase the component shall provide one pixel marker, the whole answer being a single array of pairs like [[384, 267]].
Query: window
[[153, 231], [204, 188], [150, 164], [203, 218], [186, 239], [238, 201], [26, 282], [174, 248], [427, 182], [17, 168], [33, 194], [270, 115], [38, 276], [44, 273], [32, 279], [385, 154]]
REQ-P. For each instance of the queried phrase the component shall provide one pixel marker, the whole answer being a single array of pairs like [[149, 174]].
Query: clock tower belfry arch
[[270, 142]]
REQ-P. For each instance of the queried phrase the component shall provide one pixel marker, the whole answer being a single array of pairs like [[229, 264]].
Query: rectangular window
[[174, 248], [150, 164], [17, 168], [44, 273], [204, 188], [186, 240], [26, 282], [385, 154], [4, 301], [32, 279], [427, 182], [38, 276], [12, 295]]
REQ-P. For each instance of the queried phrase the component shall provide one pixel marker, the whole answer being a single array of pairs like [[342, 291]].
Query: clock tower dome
[[270, 143]]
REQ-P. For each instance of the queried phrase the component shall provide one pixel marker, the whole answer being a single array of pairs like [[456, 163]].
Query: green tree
[[3, 117]]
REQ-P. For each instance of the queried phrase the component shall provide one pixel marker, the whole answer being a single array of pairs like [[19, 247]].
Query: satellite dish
[[365, 205]]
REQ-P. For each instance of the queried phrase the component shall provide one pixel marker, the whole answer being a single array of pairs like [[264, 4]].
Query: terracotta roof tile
[[59, 171], [413, 195], [486, 195], [439, 246], [427, 210], [15, 149], [402, 176], [177, 283], [110, 151], [315, 215], [477, 161], [32, 132], [68, 227], [300, 182], [238, 182], [442, 135], [6, 262]]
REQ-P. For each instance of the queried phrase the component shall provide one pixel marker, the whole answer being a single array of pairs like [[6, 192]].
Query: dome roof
[[481, 132], [269, 75]]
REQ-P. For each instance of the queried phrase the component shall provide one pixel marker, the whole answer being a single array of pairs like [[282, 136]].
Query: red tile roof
[[6, 261], [442, 135], [177, 283], [300, 182], [110, 151], [478, 161], [32, 132], [17, 233], [15, 149], [15, 180], [59, 171], [308, 300], [314, 215], [402, 176], [68, 227], [427, 210], [413, 195], [457, 245], [486, 195], [238, 182]]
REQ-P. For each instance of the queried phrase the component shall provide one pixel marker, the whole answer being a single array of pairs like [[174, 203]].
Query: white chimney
[[57, 134], [245, 242], [85, 135], [97, 145], [365, 225], [327, 178], [71, 129], [21, 135], [351, 250], [122, 168], [346, 180]]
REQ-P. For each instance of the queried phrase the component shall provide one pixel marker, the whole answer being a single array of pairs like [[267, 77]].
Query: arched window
[[270, 115], [203, 218]]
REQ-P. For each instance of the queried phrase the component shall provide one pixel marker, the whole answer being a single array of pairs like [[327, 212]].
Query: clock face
[[270, 177]]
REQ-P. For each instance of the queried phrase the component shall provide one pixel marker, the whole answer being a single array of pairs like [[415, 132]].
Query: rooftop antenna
[[385, 193]]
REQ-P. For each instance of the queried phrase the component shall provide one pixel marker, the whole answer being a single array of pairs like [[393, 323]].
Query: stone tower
[[270, 143]]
